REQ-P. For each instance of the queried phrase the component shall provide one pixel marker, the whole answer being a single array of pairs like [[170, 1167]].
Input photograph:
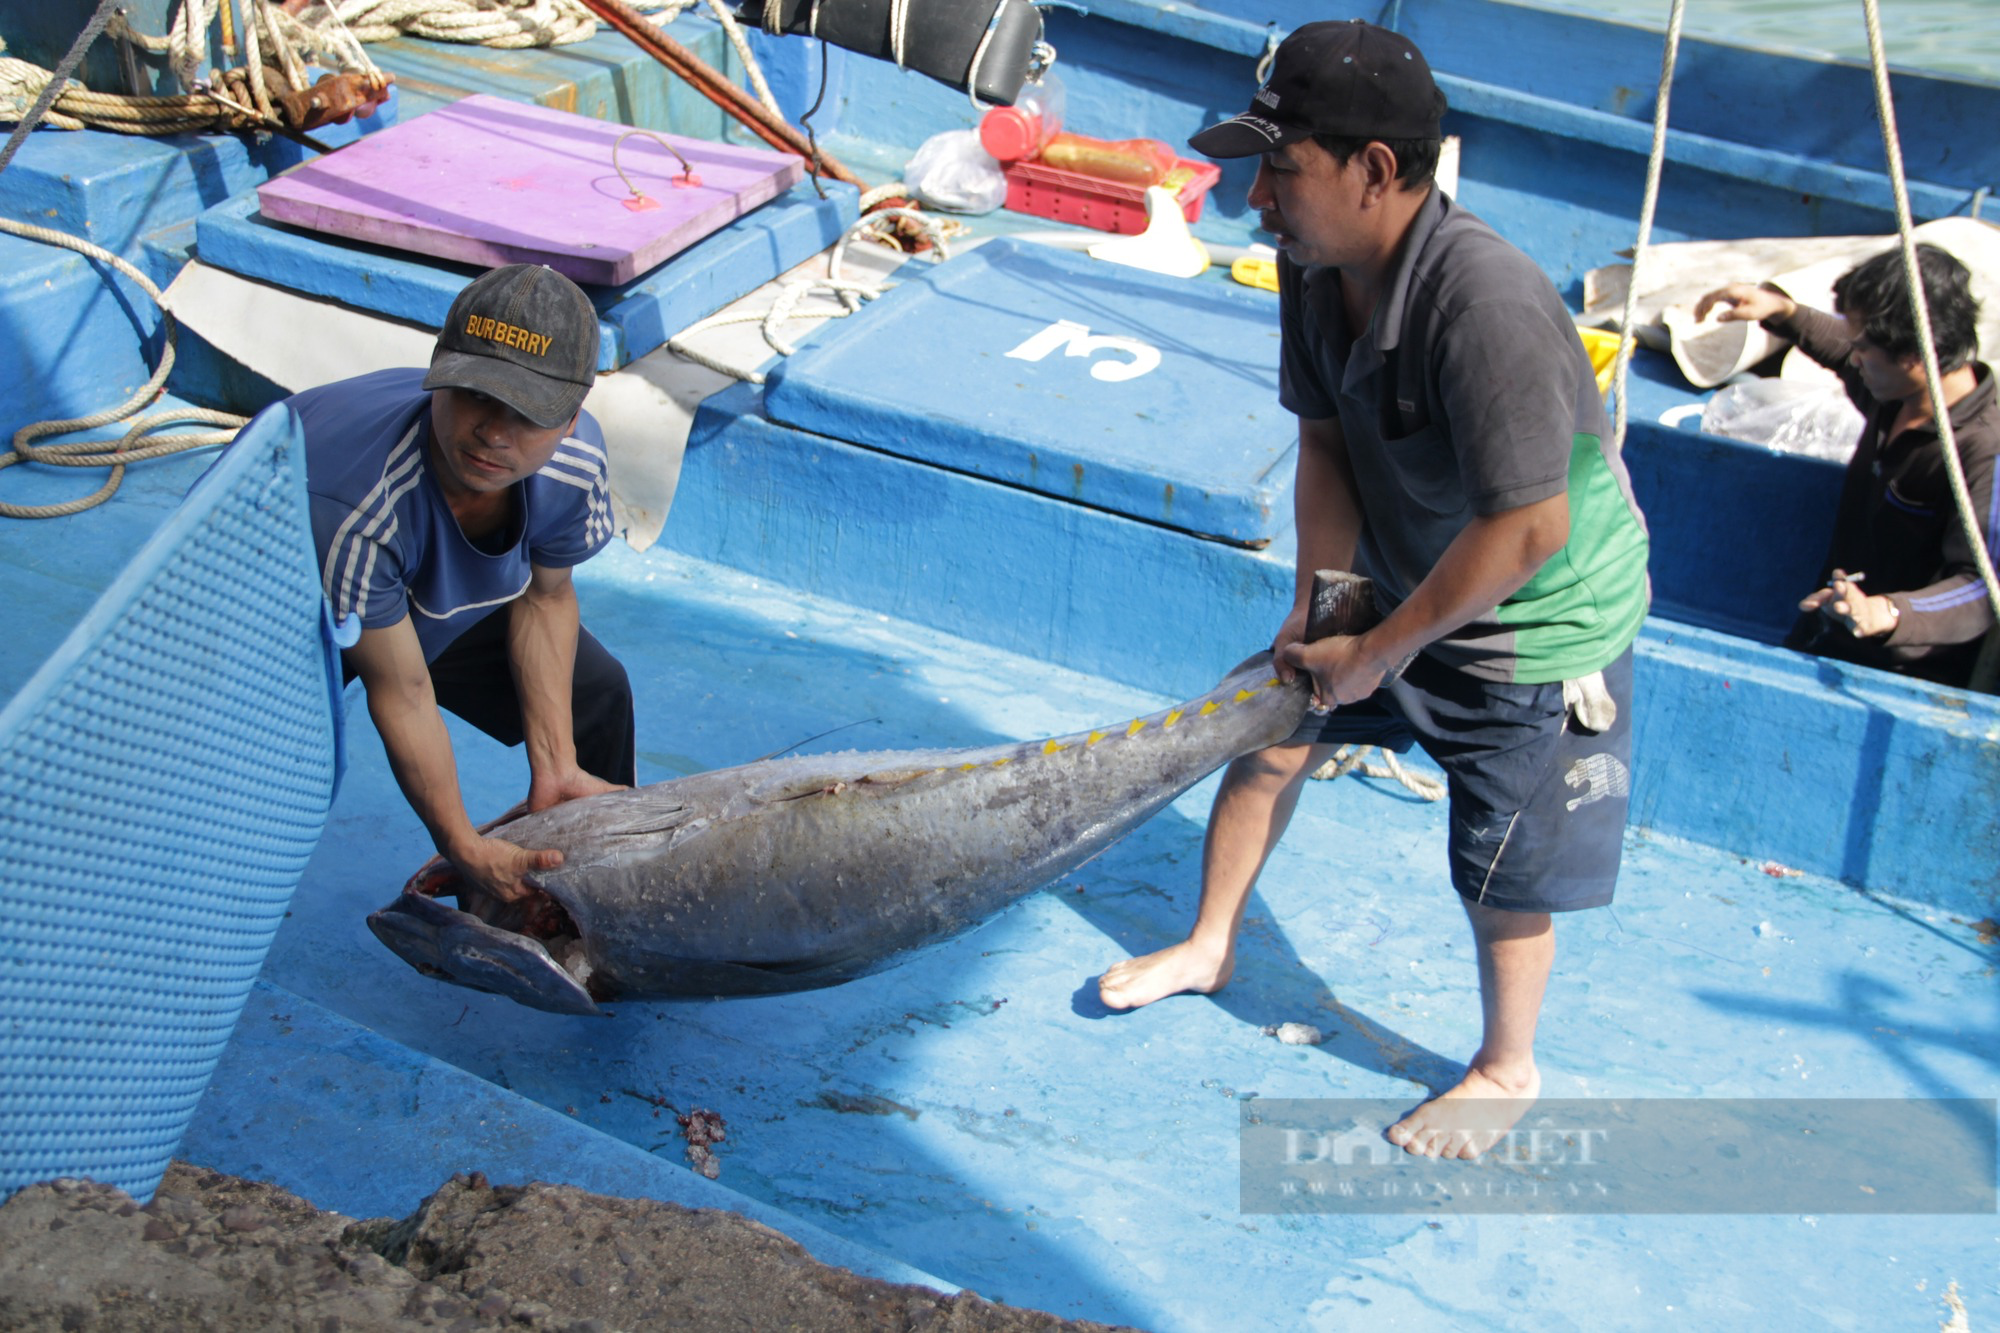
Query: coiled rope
[[95, 453], [514, 24], [1892, 145], [851, 293], [274, 44], [52, 87], [502, 24]]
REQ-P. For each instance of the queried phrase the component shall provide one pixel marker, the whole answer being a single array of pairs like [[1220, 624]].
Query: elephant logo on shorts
[[1598, 777]]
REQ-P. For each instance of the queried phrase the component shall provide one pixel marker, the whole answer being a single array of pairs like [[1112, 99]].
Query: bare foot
[[1180, 967], [1466, 1120]]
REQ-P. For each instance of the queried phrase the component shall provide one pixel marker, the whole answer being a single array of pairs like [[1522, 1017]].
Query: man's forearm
[[419, 749], [541, 648], [1325, 509], [1484, 565]]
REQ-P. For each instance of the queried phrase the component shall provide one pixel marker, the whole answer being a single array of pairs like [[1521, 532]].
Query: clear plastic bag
[[951, 171], [1795, 417]]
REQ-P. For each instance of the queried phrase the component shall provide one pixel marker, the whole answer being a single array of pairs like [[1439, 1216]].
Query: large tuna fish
[[789, 874]]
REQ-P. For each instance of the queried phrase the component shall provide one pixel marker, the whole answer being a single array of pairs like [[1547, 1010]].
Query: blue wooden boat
[[891, 529]]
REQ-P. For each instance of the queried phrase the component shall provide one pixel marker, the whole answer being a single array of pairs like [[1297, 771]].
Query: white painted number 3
[[1076, 340]]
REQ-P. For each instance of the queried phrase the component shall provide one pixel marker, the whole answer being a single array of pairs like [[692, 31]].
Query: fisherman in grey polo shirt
[[1453, 447]]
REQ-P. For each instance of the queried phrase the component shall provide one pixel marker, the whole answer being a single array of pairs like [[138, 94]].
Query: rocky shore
[[217, 1252]]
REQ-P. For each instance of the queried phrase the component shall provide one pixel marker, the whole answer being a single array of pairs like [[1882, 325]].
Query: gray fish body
[[789, 874]]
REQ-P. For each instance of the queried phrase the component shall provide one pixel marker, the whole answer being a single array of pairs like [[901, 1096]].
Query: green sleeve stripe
[[1582, 608]]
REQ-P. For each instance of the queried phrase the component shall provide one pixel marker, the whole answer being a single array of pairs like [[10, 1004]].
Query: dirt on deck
[[218, 1252]]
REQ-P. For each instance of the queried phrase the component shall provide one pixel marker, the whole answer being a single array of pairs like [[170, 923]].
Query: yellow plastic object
[[1602, 344], [1256, 273]]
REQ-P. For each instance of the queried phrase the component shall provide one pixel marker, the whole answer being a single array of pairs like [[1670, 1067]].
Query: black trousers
[[472, 678]]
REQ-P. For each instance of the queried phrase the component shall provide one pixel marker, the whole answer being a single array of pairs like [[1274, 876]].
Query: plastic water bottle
[[1011, 133]]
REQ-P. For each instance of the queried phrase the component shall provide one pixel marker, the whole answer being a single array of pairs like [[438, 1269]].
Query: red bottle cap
[[1009, 133]]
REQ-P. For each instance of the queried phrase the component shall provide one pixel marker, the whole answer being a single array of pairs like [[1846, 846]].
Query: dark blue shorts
[[1538, 805]]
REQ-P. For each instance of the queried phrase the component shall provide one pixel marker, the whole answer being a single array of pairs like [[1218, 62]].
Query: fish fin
[[458, 947]]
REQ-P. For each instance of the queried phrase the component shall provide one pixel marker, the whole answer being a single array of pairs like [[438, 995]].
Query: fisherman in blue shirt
[[449, 507]]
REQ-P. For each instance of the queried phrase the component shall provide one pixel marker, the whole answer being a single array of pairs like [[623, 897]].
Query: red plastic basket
[[1069, 196]]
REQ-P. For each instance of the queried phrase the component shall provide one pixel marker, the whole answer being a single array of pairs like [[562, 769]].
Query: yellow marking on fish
[[967, 768], [1209, 707], [1136, 727], [1269, 683], [1171, 718], [1053, 747], [1093, 738], [1241, 695], [1002, 763]]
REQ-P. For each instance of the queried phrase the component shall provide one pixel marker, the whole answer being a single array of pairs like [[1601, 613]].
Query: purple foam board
[[490, 181]]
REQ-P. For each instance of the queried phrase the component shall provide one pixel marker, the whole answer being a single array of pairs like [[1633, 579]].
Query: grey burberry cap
[[523, 334]]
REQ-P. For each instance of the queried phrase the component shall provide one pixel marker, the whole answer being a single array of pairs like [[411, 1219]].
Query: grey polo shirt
[[1468, 394]]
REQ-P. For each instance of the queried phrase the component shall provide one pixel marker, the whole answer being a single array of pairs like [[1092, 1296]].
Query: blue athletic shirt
[[388, 544]]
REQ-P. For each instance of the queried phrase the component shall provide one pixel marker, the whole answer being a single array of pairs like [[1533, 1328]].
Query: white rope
[[1272, 41], [1655, 162], [187, 41], [979, 56], [784, 305], [899, 22], [751, 68], [318, 31], [94, 453], [1885, 108], [503, 24], [1354, 759]]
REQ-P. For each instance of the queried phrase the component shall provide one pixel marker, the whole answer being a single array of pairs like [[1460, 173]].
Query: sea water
[[1959, 37]]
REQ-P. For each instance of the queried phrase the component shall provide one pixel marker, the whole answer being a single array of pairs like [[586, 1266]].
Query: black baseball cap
[[523, 334], [1350, 79]]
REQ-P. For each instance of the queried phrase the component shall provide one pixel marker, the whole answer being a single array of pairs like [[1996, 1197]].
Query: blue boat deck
[[978, 1116], [974, 1117]]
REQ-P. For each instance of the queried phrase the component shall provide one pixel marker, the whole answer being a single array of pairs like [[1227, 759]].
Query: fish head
[[458, 947]]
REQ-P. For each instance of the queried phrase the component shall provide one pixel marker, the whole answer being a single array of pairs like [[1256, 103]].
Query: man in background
[[1923, 609]]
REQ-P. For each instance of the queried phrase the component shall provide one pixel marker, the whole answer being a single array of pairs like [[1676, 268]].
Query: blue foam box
[[633, 317], [1150, 396], [164, 778]]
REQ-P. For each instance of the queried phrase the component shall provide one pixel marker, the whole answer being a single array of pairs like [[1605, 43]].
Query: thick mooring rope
[[502, 24], [53, 85]]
